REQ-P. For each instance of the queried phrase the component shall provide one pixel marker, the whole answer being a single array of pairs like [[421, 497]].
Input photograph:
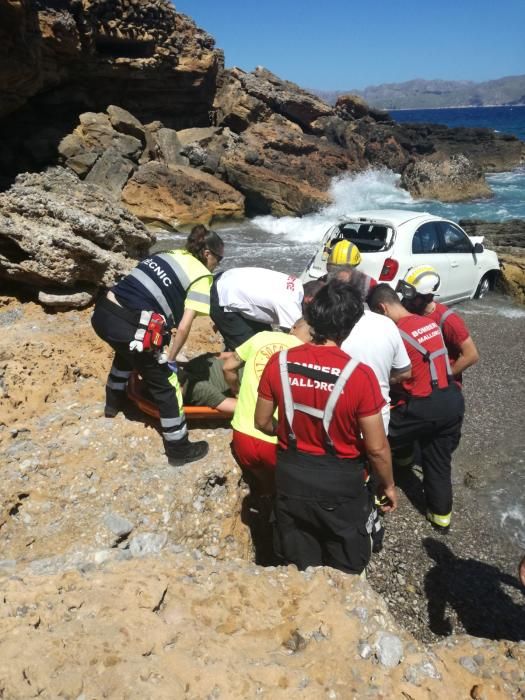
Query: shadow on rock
[[475, 591]]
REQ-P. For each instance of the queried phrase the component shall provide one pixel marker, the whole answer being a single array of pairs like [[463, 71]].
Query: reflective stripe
[[287, 392], [290, 406], [172, 422], [177, 268], [315, 412], [125, 373], [153, 289], [430, 356], [345, 375], [175, 435], [117, 386], [442, 320], [198, 296], [442, 520]]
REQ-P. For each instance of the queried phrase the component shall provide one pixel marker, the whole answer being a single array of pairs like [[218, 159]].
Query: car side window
[[426, 239], [455, 240]]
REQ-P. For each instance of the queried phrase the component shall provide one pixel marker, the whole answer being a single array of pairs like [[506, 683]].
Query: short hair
[[333, 312], [310, 289], [382, 294], [200, 239]]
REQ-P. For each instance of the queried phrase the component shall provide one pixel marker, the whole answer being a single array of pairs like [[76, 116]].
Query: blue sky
[[340, 44]]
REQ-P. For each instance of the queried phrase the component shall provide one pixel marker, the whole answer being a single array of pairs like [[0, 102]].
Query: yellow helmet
[[424, 279], [344, 253]]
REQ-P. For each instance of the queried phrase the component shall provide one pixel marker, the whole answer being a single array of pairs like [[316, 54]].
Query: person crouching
[[329, 419]]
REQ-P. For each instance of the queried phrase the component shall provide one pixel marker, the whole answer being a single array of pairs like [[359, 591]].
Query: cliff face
[[62, 58]]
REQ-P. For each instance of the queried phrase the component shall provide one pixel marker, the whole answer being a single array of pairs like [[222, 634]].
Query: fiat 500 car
[[392, 241]]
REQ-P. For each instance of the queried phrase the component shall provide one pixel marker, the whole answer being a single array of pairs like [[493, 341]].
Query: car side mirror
[[478, 248]]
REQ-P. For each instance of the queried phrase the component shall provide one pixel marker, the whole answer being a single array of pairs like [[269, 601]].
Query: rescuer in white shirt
[[246, 300]]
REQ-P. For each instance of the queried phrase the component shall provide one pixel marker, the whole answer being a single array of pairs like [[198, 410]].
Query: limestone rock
[[355, 107], [126, 123], [111, 172], [245, 98], [180, 195], [58, 231], [168, 147], [67, 300], [281, 170], [447, 179]]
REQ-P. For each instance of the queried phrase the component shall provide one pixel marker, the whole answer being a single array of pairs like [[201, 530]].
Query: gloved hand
[[173, 366]]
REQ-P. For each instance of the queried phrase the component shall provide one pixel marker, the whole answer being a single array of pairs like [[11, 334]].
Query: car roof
[[394, 217]]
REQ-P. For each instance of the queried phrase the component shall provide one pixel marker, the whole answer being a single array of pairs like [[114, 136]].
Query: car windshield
[[369, 237]]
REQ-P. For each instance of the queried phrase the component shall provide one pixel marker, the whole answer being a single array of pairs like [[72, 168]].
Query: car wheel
[[483, 287]]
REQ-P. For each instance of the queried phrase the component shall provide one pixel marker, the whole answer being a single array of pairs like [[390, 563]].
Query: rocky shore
[[121, 576], [125, 577]]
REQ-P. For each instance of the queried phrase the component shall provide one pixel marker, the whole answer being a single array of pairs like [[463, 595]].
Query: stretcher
[[137, 394]]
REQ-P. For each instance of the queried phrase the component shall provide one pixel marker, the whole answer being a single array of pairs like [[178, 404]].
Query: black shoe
[[187, 452], [111, 411], [442, 529]]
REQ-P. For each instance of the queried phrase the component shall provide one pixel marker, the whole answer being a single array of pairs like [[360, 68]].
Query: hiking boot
[[187, 452], [114, 405]]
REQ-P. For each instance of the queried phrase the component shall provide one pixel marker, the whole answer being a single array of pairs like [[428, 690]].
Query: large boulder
[[244, 98], [451, 179], [179, 195], [507, 238], [282, 170], [59, 232]]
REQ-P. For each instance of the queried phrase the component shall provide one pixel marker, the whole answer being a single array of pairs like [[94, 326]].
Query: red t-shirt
[[361, 397], [427, 334], [454, 330]]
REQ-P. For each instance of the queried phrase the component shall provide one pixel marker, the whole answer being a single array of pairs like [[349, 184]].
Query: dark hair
[[333, 312], [200, 239], [382, 294], [310, 289]]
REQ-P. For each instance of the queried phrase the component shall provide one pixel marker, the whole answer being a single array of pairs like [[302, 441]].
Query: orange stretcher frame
[[135, 394]]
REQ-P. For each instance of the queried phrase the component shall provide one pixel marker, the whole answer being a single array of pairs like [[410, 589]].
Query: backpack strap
[[290, 406], [430, 357], [442, 320]]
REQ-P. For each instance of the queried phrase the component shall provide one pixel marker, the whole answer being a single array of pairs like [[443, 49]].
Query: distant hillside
[[421, 94]]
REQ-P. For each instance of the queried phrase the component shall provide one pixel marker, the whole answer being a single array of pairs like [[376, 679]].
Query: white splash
[[514, 519], [371, 189]]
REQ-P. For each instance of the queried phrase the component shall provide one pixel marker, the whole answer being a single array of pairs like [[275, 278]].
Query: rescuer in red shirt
[[418, 289], [430, 406], [329, 419]]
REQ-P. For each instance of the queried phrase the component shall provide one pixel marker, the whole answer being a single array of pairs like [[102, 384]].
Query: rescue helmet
[[424, 279], [344, 253]]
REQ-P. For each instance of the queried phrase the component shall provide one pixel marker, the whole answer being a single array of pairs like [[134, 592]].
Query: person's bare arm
[[180, 337], [400, 375], [468, 357], [380, 458], [230, 369], [263, 419]]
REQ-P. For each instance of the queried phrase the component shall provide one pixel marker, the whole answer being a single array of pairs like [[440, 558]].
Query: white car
[[392, 241]]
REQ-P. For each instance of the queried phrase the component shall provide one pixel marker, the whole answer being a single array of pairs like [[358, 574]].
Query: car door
[[463, 272], [427, 250]]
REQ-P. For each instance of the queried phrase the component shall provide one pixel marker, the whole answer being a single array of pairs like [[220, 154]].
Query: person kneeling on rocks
[[164, 291], [329, 421]]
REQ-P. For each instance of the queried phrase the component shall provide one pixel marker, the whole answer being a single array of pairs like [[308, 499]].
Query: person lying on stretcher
[[202, 383]]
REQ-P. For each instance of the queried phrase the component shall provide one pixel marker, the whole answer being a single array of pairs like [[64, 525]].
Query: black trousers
[[117, 326], [232, 325], [322, 512], [435, 422]]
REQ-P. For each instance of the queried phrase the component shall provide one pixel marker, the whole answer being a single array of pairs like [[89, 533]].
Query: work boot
[[440, 523], [113, 408], [186, 452]]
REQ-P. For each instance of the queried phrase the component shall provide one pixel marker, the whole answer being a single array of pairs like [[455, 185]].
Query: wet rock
[[447, 179]]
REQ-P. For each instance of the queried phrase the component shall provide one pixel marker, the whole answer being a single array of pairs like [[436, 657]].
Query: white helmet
[[423, 280]]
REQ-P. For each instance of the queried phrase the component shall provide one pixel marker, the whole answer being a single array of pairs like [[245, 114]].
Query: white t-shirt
[[376, 342], [262, 295]]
